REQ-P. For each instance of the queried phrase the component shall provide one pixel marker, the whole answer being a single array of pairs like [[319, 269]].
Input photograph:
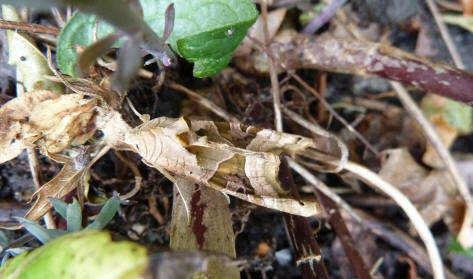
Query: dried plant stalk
[[373, 59]]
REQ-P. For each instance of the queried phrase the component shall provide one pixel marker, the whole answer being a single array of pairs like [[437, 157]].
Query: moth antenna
[[143, 117]]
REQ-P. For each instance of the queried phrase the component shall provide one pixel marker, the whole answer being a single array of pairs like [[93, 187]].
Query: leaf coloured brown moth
[[238, 160]]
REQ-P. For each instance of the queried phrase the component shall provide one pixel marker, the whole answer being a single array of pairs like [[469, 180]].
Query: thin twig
[[442, 151], [351, 250], [334, 113], [58, 17], [28, 27], [300, 234], [278, 124], [445, 35], [457, 7], [315, 182], [319, 131], [204, 102], [369, 59], [323, 17], [36, 174]]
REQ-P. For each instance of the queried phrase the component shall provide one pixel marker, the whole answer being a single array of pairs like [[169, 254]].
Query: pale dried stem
[[278, 124], [35, 173], [425, 234], [445, 35], [204, 102], [317, 183], [319, 131], [28, 27], [434, 139], [58, 17]]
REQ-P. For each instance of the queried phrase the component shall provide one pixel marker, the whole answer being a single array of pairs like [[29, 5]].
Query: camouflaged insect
[[235, 159]]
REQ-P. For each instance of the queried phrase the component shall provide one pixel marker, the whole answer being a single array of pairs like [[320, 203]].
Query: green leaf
[[205, 31], [42, 234], [85, 254], [78, 32], [456, 247], [74, 217], [105, 215], [454, 113], [60, 207]]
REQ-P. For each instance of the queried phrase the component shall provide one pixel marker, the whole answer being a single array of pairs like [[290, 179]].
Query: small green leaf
[[38, 231], [78, 32], [456, 247], [205, 31], [454, 113], [3, 240], [60, 207], [74, 217], [85, 254], [105, 215]]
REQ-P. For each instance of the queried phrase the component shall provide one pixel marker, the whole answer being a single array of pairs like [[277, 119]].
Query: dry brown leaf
[[63, 183], [467, 7], [275, 19], [69, 178], [401, 170], [447, 134], [431, 192], [45, 119], [242, 161]]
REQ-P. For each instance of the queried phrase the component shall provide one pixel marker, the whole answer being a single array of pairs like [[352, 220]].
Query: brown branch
[[335, 218], [372, 59], [299, 232], [28, 27]]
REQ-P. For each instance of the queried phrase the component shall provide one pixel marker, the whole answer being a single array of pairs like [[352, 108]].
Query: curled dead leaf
[[432, 192], [68, 179], [45, 119]]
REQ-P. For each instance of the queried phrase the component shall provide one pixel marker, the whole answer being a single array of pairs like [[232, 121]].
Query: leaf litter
[[211, 153]]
